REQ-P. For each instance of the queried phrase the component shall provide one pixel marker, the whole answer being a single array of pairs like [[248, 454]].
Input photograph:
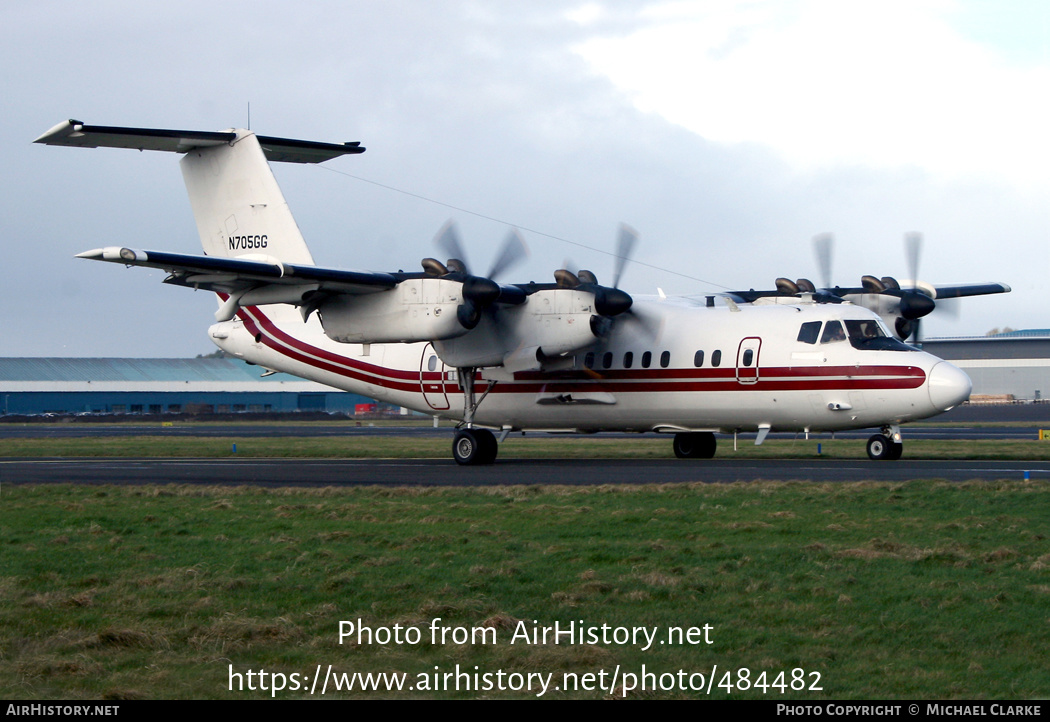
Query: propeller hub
[[916, 305], [480, 291], [611, 301]]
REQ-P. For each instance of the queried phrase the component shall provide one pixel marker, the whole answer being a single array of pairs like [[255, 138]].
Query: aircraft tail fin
[[238, 206]]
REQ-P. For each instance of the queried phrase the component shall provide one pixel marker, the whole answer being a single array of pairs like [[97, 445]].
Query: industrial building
[[158, 386], [1014, 364]]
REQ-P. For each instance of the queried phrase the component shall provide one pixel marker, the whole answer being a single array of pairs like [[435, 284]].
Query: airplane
[[569, 356]]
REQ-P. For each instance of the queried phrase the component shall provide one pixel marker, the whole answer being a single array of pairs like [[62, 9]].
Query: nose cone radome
[[949, 386]]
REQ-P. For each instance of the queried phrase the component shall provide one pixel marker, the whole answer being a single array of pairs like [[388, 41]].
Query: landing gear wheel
[[880, 448], [699, 445], [473, 447]]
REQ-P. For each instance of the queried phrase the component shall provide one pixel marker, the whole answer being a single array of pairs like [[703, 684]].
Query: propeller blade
[[625, 247], [823, 245], [913, 249], [905, 327], [447, 240], [950, 307], [647, 325], [513, 251]]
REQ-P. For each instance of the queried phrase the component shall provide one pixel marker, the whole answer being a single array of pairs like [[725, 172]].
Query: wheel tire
[[697, 445], [896, 449], [489, 445], [880, 448], [473, 447]]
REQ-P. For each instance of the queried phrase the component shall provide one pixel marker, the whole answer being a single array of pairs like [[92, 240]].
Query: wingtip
[[62, 130]]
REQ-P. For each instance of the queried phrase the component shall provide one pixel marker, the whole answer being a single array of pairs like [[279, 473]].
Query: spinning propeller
[[913, 302], [609, 301], [479, 292]]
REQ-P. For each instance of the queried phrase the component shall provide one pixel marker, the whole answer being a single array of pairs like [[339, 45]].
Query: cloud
[[825, 83]]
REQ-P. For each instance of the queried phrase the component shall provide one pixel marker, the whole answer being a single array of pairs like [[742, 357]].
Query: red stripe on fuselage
[[816, 378]]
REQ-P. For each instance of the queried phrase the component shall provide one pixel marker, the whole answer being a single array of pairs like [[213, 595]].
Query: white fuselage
[[672, 366]]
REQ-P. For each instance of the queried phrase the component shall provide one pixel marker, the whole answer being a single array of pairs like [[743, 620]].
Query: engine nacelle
[[422, 309], [551, 323]]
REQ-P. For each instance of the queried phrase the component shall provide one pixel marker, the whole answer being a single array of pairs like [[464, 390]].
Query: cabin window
[[607, 359], [588, 360], [749, 356], [628, 360], [432, 364], [647, 358], [833, 332], [809, 332], [716, 358], [698, 359], [665, 359]]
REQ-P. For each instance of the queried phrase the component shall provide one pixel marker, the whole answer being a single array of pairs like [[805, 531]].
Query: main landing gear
[[473, 445], [886, 446], [694, 445]]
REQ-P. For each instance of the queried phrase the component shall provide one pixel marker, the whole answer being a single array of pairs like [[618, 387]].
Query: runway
[[437, 472], [969, 424], [1021, 421]]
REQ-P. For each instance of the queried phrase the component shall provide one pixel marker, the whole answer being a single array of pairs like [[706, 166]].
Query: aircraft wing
[[970, 289], [838, 293]]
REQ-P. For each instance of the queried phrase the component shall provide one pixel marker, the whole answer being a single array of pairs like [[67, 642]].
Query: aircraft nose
[[948, 385]]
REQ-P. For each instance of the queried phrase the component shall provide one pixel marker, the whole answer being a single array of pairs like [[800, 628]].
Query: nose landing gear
[[887, 445]]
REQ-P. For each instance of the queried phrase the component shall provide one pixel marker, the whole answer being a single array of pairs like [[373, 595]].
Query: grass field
[[874, 590]]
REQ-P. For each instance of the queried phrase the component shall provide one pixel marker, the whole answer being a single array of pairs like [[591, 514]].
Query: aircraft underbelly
[[745, 410]]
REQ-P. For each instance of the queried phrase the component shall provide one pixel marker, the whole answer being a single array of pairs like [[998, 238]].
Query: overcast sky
[[727, 133]]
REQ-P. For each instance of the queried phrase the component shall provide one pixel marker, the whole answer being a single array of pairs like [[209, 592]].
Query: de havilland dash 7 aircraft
[[568, 356]]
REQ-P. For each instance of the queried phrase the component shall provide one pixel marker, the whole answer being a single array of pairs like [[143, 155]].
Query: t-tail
[[239, 208]]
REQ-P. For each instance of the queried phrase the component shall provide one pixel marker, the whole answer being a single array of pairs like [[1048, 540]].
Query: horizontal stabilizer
[[76, 134]]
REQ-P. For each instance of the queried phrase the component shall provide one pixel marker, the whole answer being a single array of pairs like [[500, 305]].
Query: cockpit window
[[809, 332], [833, 332], [869, 335]]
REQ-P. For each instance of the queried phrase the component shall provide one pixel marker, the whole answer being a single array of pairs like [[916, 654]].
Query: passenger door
[[432, 379], [747, 360]]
